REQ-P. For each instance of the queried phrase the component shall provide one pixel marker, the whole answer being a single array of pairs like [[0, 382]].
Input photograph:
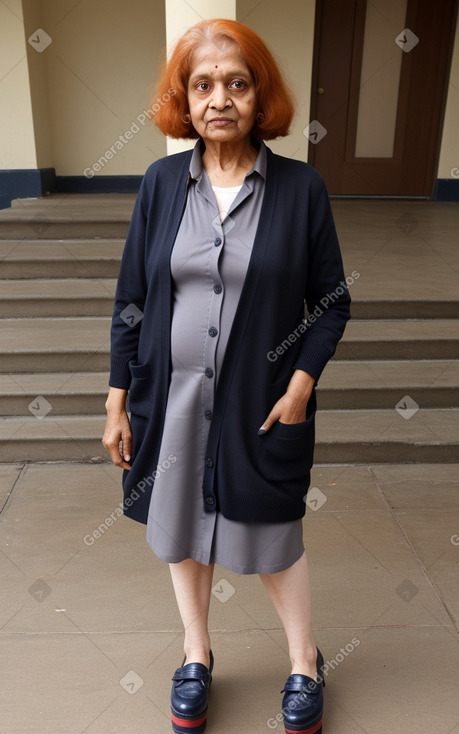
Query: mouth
[[221, 121]]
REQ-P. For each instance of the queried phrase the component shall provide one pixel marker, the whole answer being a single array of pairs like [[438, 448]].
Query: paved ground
[[90, 634]]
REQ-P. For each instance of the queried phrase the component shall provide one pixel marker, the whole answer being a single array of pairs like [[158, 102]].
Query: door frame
[[426, 168]]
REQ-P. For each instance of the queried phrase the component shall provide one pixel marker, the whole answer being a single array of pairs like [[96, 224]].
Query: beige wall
[[67, 106], [38, 84], [288, 29], [17, 141], [182, 15], [449, 154], [99, 73]]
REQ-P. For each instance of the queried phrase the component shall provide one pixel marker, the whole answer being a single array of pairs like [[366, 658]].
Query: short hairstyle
[[274, 99]]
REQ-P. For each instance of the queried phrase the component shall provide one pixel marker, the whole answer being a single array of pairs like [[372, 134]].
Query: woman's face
[[221, 93]]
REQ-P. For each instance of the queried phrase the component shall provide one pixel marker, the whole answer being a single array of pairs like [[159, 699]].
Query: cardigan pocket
[[140, 390], [287, 453]]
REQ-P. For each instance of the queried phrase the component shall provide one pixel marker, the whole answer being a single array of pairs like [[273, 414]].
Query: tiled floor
[[90, 634]]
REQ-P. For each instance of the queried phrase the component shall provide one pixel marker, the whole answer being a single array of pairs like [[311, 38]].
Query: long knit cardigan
[[295, 259]]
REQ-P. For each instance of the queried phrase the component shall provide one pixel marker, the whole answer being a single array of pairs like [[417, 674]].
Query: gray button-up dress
[[208, 264]]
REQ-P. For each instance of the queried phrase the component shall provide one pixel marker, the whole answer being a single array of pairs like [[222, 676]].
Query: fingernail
[[261, 431], [127, 458]]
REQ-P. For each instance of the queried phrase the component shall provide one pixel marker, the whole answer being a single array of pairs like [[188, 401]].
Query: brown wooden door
[[380, 77]]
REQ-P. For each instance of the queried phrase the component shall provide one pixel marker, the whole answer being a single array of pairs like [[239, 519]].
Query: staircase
[[390, 394], [59, 263]]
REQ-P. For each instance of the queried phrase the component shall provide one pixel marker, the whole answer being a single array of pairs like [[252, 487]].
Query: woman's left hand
[[291, 407]]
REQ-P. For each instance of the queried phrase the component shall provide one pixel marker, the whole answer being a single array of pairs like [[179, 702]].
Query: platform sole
[[182, 725], [314, 729]]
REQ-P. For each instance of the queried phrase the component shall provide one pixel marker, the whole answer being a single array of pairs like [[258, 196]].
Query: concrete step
[[87, 296], [343, 386], [382, 384], [355, 437], [100, 258], [95, 258], [59, 438], [47, 345], [82, 344], [51, 298], [381, 436], [64, 216], [82, 393], [41, 228], [396, 339], [73, 263], [399, 309]]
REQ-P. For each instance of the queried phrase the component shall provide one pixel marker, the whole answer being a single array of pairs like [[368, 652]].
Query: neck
[[228, 157]]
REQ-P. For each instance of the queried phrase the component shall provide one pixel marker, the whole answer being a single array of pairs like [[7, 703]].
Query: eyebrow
[[204, 75]]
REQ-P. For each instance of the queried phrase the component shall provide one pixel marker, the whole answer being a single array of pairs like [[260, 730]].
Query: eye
[[238, 84], [203, 87]]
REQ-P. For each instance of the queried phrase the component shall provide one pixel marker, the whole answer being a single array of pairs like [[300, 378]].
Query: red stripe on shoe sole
[[312, 730], [188, 724]]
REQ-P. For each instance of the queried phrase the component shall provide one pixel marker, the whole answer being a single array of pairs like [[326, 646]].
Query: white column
[[180, 15]]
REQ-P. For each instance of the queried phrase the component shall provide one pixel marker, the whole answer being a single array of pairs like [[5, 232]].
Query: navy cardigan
[[295, 258]]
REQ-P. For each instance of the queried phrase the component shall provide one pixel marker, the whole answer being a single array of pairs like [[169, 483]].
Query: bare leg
[[290, 594], [192, 583]]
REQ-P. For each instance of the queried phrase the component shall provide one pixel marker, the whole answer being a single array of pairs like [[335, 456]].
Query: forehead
[[220, 55]]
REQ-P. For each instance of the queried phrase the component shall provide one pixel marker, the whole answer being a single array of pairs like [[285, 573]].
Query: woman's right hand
[[117, 438]]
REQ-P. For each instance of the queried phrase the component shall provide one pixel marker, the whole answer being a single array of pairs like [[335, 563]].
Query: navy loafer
[[303, 702], [190, 690]]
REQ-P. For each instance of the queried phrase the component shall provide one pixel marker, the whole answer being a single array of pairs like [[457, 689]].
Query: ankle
[[197, 654], [305, 663]]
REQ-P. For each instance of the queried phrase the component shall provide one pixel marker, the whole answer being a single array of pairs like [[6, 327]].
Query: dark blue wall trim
[[446, 189], [98, 184], [22, 183], [19, 184]]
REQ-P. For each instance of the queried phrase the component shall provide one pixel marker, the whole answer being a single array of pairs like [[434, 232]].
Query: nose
[[220, 98]]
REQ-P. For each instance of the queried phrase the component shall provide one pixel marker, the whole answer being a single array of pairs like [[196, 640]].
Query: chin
[[225, 135]]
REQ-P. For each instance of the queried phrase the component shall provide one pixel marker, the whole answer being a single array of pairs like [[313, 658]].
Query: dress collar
[[196, 167]]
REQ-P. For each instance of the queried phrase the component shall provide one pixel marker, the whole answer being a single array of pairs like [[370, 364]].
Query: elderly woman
[[226, 245]]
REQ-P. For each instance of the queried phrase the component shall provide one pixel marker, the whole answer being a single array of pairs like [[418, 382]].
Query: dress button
[[217, 288], [217, 241], [213, 331], [209, 463], [209, 372], [210, 500], [208, 415]]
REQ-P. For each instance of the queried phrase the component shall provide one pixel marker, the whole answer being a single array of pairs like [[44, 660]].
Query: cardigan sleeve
[[130, 295], [327, 294]]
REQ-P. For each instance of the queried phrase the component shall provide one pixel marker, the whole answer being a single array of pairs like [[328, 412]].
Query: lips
[[221, 121]]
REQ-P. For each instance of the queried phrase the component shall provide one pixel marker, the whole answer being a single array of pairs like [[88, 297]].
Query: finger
[[114, 453], [272, 418], [118, 460], [122, 456], [127, 445], [113, 449], [124, 465]]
